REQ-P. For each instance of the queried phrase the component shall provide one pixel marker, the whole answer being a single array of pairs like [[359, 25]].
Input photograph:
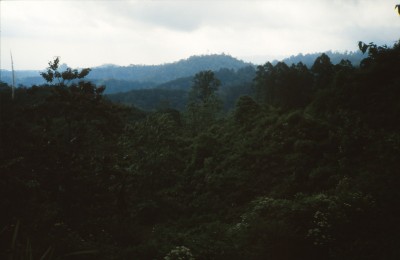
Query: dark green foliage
[[204, 86], [308, 59], [173, 94], [63, 78], [203, 103], [152, 99], [167, 72], [308, 169], [57, 144], [118, 86], [284, 86], [246, 110], [123, 79], [323, 71]]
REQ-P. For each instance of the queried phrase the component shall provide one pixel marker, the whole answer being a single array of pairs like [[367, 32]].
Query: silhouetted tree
[[323, 71], [203, 104], [53, 74]]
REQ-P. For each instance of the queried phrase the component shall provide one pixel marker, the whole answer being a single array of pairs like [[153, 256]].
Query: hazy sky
[[91, 33]]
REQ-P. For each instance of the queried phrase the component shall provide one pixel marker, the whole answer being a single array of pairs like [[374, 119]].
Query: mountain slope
[[308, 59], [170, 71], [125, 78], [174, 93]]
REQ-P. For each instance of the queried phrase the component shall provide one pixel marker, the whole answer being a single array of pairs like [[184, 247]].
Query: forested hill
[[174, 93], [306, 168], [169, 71], [126, 78], [308, 59]]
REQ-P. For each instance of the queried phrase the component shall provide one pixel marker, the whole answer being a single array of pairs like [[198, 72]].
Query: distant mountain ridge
[[169, 71], [308, 59], [125, 78], [174, 93]]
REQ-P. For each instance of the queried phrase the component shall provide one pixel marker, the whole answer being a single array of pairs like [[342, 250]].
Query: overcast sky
[[92, 33]]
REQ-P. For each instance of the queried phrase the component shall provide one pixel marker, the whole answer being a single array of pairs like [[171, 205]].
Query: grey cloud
[[175, 16], [189, 16], [171, 16], [159, 30]]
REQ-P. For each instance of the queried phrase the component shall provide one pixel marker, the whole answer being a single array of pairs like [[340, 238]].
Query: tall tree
[[62, 78], [203, 104], [264, 87], [323, 71], [283, 86]]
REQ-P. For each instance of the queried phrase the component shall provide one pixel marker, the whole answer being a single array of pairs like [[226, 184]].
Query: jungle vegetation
[[305, 166]]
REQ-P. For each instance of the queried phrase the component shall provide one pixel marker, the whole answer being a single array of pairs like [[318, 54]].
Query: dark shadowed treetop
[[204, 85], [63, 78]]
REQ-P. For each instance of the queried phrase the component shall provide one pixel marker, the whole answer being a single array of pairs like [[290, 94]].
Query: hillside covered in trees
[[174, 94], [125, 78], [305, 166], [169, 75], [355, 57]]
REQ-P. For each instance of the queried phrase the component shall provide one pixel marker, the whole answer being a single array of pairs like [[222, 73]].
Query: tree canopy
[[304, 167]]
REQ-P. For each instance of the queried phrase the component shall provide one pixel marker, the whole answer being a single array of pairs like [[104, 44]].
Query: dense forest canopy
[[305, 166], [355, 57]]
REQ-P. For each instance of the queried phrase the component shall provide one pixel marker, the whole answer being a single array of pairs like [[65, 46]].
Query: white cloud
[[90, 33]]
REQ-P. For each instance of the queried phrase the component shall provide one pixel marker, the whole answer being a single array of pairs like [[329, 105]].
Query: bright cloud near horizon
[[92, 33]]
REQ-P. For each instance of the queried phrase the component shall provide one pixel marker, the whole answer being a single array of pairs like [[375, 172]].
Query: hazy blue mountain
[[174, 93], [308, 59], [22, 77], [176, 75], [227, 77], [118, 85], [125, 78], [169, 71]]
